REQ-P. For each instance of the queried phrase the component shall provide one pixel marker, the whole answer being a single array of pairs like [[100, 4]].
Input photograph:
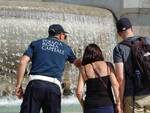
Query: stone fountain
[[22, 22]]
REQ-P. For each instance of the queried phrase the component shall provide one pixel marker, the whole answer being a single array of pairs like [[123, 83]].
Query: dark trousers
[[40, 94]]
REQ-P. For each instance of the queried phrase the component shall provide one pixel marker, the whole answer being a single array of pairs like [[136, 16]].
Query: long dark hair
[[91, 54]]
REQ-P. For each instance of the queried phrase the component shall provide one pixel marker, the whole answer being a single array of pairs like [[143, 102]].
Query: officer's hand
[[19, 92], [77, 63]]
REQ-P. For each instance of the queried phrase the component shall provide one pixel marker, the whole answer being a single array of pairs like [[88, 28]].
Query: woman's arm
[[80, 89], [115, 86]]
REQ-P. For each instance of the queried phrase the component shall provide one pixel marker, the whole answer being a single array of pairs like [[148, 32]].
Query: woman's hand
[[119, 109]]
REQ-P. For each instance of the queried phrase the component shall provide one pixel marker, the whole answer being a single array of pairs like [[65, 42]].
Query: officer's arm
[[20, 73]]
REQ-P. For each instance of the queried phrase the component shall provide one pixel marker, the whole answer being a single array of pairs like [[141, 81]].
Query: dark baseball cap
[[56, 28], [123, 24]]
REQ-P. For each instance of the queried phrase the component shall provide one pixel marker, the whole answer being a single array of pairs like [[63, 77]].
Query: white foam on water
[[10, 101], [69, 100], [13, 101]]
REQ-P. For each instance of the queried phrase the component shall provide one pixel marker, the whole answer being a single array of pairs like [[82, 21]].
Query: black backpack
[[140, 54]]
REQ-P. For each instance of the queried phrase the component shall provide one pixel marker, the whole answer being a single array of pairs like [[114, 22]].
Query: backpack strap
[[141, 41], [131, 45], [126, 43]]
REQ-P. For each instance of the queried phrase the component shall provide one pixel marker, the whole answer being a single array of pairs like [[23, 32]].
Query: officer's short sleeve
[[71, 55], [29, 51], [117, 57]]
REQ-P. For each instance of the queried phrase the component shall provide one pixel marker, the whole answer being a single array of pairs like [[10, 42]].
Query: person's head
[[124, 28], [57, 31], [91, 54]]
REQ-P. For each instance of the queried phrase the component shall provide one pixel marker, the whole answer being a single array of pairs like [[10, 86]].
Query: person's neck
[[58, 38], [127, 35]]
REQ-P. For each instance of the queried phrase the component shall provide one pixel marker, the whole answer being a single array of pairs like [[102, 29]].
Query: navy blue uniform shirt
[[48, 56]]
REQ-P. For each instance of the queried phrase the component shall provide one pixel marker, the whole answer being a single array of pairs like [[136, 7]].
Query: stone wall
[[138, 11]]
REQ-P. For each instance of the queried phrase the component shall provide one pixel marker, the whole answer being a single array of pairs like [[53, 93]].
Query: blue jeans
[[40, 94], [105, 109]]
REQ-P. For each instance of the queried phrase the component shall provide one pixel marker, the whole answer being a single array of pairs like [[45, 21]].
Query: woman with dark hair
[[99, 78]]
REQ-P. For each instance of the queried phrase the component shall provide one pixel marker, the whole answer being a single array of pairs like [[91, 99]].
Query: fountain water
[[22, 22]]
